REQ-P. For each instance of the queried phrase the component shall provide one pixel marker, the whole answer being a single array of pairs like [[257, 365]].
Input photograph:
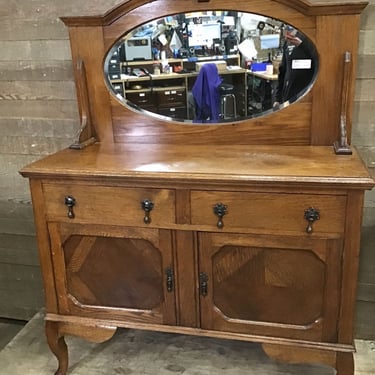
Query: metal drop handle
[[147, 206], [220, 210], [311, 215], [70, 202]]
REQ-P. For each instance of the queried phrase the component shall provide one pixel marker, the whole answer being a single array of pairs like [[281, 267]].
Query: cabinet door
[[280, 286], [124, 272]]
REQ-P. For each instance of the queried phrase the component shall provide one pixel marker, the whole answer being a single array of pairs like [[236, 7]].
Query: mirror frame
[[314, 120]]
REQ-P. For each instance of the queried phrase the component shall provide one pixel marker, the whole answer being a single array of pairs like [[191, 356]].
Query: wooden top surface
[[311, 165]]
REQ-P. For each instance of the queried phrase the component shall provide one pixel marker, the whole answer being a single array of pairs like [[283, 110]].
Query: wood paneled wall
[[363, 137], [39, 115]]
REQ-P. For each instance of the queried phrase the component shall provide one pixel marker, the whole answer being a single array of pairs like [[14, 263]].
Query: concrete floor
[[133, 352]]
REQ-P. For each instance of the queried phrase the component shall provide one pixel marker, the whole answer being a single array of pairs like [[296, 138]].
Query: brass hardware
[[220, 210], [170, 279], [147, 207], [203, 284], [311, 215], [70, 202]]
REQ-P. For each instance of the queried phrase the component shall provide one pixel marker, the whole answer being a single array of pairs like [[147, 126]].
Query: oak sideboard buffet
[[246, 229]]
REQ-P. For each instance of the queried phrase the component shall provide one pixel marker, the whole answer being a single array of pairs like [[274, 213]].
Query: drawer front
[[269, 211], [114, 67], [173, 112], [141, 98], [109, 205], [171, 97], [118, 88]]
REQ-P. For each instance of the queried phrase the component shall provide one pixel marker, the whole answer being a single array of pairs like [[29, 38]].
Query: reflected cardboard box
[[221, 65]]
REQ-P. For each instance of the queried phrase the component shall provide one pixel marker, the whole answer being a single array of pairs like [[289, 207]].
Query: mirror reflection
[[211, 67]]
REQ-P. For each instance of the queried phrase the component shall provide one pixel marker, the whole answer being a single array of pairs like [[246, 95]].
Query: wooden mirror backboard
[[332, 26]]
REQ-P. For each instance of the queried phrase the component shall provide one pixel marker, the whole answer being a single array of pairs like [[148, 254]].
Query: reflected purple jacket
[[206, 93]]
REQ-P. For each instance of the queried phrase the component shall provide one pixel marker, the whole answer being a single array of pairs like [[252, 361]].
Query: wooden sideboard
[[248, 230]]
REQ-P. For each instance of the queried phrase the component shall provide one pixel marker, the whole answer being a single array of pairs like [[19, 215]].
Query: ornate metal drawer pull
[[311, 215], [220, 210], [147, 207], [70, 202], [203, 284], [170, 279]]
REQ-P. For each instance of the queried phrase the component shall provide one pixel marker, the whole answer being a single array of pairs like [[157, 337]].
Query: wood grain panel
[[253, 266], [292, 127], [279, 212], [117, 206], [100, 112], [327, 97]]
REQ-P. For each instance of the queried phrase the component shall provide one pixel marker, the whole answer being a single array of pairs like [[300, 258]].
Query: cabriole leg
[[58, 346]]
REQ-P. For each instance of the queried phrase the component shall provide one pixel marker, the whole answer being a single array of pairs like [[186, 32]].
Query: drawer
[[109, 205], [142, 98], [174, 97], [118, 88], [173, 112], [114, 67], [269, 211], [114, 76]]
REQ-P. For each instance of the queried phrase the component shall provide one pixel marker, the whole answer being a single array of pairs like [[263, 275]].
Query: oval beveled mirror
[[211, 67]]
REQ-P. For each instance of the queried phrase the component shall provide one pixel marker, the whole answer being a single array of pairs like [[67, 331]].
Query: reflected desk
[[168, 93], [261, 91]]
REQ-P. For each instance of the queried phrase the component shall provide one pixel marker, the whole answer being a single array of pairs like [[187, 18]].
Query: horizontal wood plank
[[368, 18], [32, 146], [18, 249], [32, 29], [365, 90], [60, 109], [30, 70], [39, 127], [26, 9], [37, 90], [365, 328], [367, 42], [21, 291], [366, 67], [363, 113], [36, 50]]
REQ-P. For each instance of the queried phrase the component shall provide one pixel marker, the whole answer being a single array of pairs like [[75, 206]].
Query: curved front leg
[[58, 346]]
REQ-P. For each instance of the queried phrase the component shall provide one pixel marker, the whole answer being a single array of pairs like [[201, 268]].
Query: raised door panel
[[121, 273], [270, 285]]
